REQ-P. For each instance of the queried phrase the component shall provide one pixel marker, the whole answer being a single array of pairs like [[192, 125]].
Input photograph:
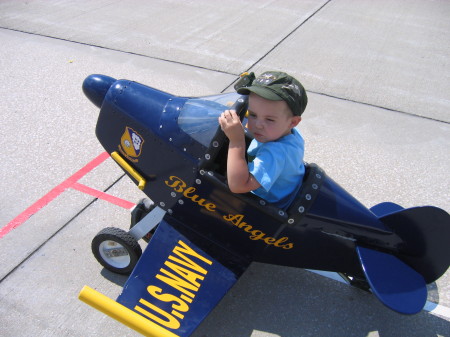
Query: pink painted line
[[55, 192], [103, 196]]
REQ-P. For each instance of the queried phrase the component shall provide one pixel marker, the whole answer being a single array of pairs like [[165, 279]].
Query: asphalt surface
[[377, 78]]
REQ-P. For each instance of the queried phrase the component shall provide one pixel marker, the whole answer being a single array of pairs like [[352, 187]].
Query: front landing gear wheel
[[116, 250]]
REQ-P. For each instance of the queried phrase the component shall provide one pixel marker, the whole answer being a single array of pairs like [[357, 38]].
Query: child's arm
[[239, 178]]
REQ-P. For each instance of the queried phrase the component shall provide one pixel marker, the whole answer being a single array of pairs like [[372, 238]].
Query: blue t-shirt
[[279, 168]]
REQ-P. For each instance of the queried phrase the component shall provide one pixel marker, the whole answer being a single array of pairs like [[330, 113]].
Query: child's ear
[[295, 120]]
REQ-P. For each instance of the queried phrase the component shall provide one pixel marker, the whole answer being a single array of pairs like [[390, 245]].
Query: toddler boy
[[276, 103]]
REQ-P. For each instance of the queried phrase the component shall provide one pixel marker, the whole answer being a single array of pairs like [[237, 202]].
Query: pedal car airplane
[[206, 236]]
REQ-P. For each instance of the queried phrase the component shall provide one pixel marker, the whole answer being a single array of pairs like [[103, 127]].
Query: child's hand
[[230, 123], [239, 178]]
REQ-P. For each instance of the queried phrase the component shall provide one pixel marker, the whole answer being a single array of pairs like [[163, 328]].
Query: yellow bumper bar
[[127, 167], [122, 314]]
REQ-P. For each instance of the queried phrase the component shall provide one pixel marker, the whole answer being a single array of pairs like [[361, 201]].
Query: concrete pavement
[[377, 122]]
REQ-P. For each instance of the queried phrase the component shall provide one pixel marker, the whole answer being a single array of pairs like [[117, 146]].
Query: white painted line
[[431, 307], [437, 309]]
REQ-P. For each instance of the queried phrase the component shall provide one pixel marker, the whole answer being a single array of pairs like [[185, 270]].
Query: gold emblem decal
[[131, 144]]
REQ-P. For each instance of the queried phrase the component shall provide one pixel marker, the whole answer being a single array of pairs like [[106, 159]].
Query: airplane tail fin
[[393, 282], [426, 235], [399, 281]]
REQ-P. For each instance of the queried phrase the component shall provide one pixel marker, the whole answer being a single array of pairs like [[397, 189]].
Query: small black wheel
[[143, 207], [116, 250]]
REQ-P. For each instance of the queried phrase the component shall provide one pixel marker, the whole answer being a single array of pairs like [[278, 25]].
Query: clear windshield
[[199, 116]]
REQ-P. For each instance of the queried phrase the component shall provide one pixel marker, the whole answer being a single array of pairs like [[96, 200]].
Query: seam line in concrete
[[379, 107], [117, 50], [288, 35], [229, 73], [279, 42]]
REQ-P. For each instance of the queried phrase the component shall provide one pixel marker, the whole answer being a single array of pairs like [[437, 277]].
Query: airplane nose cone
[[96, 86]]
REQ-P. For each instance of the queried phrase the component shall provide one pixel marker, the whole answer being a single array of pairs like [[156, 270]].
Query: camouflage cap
[[277, 86]]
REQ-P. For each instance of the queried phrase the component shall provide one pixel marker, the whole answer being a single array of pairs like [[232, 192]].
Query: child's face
[[269, 120]]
